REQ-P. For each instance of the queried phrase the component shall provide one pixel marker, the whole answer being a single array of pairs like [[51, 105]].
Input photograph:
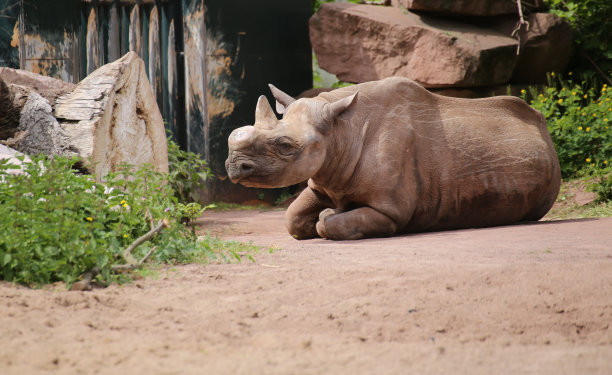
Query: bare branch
[[519, 24], [127, 253], [604, 76], [132, 263]]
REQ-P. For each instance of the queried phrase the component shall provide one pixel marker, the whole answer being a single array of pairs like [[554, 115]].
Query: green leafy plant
[[591, 21], [317, 3], [192, 211], [188, 173], [56, 224], [602, 184], [578, 116]]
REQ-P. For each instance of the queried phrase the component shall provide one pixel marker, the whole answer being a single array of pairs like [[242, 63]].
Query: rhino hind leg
[[302, 215], [355, 224]]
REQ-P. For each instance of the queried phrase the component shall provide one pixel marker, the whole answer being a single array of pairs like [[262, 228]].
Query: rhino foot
[[303, 214], [359, 223]]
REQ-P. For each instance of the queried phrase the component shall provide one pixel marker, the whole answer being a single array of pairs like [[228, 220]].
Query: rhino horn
[[264, 117], [282, 100], [332, 110]]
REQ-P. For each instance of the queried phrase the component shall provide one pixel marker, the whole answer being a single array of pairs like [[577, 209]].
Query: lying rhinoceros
[[388, 157]]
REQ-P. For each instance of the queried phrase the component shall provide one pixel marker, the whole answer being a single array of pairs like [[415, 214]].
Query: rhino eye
[[286, 146]]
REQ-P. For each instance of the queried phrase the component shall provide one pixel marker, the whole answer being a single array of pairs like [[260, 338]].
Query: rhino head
[[278, 153]]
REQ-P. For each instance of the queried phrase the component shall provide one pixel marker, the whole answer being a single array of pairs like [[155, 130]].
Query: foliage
[[57, 224], [578, 116], [602, 183], [566, 206], [187, 172], [591, 21], [323, 79], [316, 4]]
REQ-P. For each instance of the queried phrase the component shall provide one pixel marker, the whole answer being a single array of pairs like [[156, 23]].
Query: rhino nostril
[[246, 169]]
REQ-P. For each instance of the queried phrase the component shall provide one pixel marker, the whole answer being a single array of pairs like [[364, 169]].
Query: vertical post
[[22, 46], [196, 120], [154, 55], [172, 77], [93, 57], [114, 38], [135, 37]]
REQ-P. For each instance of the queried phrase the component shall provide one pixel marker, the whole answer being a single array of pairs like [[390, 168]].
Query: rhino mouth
[[240, 170]]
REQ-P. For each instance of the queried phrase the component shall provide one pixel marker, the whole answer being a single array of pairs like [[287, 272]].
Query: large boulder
[[546, 45], [468, 7], [362, 43]]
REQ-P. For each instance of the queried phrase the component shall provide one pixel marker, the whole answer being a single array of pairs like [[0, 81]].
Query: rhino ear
[[264, 117], [332, 110], [282, 100]]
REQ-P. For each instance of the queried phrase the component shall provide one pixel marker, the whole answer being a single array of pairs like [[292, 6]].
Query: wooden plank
[[91, 43], [125, 2], [196, 118], [154, 53], [135, 34], [172, 80], [114, 38]]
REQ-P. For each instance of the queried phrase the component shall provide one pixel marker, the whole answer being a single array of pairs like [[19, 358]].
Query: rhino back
[[432, 162], [491, 162]]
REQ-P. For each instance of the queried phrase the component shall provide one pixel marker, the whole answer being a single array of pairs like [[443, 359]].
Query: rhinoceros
[[389, 157]]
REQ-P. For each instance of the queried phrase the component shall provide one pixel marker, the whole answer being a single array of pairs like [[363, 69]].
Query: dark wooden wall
[[207, 60]]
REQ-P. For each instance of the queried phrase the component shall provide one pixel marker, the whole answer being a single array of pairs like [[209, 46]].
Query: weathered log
[[9, 112], [109, 118]]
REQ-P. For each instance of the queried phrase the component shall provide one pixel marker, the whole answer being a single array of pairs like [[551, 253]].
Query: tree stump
[[109, 118]]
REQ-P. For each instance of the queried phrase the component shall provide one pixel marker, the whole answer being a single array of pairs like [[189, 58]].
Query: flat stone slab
[[468, 7], [362, 43]]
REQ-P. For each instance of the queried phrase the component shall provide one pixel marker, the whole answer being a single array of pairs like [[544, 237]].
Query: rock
[[362, 43], [546, 46], [468, 7], [311, 93]]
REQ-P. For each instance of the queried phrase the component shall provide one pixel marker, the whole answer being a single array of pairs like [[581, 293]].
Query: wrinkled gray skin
[[389, 157]]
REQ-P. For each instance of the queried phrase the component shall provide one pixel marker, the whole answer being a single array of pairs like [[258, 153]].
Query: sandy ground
[[524, 299]]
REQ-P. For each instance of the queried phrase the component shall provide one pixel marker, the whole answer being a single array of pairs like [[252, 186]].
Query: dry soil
[[522, 299]]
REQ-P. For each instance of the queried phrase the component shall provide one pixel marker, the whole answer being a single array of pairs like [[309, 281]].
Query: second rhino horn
[[282, 100], [264, 117]]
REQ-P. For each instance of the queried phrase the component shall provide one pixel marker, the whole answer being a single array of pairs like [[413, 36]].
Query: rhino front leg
[[359, 223], [303, 214]]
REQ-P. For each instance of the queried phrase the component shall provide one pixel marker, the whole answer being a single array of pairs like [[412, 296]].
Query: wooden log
[[109, 118], [112, 118], [9, 112]]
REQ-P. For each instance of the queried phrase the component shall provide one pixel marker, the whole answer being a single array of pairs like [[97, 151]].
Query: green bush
[[57, 224], [316, 4], [187, 173], [579, 117], [591, 21], [601, 183]]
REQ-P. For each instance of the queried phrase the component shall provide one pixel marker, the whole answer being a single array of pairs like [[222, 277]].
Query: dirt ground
[[523, 299]]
